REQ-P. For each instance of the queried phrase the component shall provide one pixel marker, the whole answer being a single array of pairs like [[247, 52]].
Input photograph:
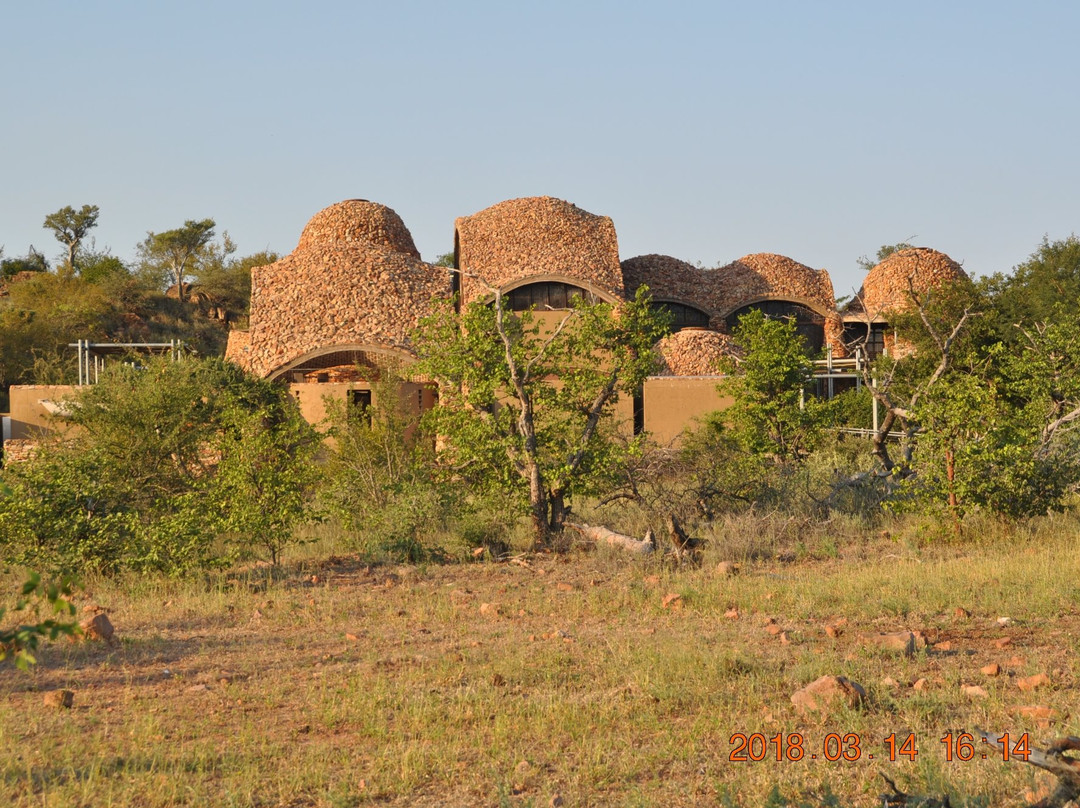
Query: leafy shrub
[[22, 640], [163, 460]]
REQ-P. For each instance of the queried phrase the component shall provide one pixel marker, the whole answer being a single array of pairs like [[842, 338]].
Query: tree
[[527, 409], [33, 262], [775, 412], [167, 458], [884, 251], [1036, 288], [21, 641], [177, 250], [70, 227]]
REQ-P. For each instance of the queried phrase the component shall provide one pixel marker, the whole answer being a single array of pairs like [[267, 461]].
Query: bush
[[164, 460], [379, 478]]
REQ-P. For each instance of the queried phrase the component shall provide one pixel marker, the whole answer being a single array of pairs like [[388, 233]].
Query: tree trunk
[[538, 504], [954, 505], [558, 513]]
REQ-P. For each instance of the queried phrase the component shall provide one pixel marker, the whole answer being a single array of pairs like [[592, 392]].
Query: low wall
[[673, 403]]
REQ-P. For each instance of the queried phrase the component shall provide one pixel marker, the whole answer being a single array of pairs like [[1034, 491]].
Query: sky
[[705, 130]]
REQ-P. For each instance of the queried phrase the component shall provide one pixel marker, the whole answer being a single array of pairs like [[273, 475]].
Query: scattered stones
[[352, 637], [827, 693], [899, 642], [832, 631], [1004, 621], [556, 801], [98, 627], [961, 612], [1029, 683], [974, 692], [943, 646], [564, 587], [523, 775], [197, 689], [672, 600], [726, 569], [993, 669], [921, 684], [489, 610], [59, 699], [890, 683], [732, 613], [1002, 642], [1042, 715]]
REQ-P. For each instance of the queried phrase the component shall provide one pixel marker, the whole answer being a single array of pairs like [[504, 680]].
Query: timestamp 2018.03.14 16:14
[[851, 746]]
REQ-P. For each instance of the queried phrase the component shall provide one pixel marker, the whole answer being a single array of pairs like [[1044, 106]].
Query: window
[[807, 321], [682, 316], [545, 295], [360, 400]]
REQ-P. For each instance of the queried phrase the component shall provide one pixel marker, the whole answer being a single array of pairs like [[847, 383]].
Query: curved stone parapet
[[889, 285], [693, 352], [358, 220], [537, 238]]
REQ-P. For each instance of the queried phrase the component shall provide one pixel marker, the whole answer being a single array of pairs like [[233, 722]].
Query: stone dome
[[538, 238], [888, 285], [693, 352], [357, 220]]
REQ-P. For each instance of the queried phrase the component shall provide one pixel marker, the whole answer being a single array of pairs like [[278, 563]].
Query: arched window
[[807, 321], [682, 316], [545, 295]]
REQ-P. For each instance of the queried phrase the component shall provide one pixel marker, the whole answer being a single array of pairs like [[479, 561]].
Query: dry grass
[[334, 683]]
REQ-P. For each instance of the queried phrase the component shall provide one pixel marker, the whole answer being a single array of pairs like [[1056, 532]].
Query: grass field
[[331, 682]]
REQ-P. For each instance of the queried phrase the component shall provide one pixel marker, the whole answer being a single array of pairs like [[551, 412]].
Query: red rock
[[1032, 682], [827, 693], [992, 669], [98, 627]]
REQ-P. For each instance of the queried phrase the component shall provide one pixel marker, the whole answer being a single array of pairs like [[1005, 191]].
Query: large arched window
[[807, 321], [682, 316], [545, 295]]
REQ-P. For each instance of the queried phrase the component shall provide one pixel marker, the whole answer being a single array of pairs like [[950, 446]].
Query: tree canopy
[[527, 406], [70, 227]]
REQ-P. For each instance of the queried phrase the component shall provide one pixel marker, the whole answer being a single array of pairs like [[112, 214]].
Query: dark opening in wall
[[682, 316], [855, 335], [361, 401], [808, 322], [545, 295], [639, 412]]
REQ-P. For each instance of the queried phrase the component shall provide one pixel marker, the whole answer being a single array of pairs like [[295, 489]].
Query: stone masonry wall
[[338, 288], [536, 236]]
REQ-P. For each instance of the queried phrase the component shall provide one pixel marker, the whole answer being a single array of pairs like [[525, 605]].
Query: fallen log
[[599, 533], [1053, 760]]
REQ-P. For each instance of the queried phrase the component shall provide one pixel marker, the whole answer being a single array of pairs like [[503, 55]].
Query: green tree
[[33, 262], [70, 227], [527, 409], [884, 251], [176, 251], [1036, 288], [378, 479], [167, 457], [775, 412], [22, 640]]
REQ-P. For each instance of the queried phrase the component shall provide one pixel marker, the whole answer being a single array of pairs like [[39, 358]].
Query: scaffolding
[[92, 355]]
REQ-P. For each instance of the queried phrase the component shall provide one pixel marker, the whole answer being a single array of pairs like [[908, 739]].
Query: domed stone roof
[[537, 237], [768, 275], [357, 220], [888, 286], [693, 352]]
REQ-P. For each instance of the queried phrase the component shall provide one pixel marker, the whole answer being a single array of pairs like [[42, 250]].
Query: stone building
[[339, 307], [894, 286], [337, 312]]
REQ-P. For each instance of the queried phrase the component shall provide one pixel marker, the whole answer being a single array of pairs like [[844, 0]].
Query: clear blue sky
[[706, 130]]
